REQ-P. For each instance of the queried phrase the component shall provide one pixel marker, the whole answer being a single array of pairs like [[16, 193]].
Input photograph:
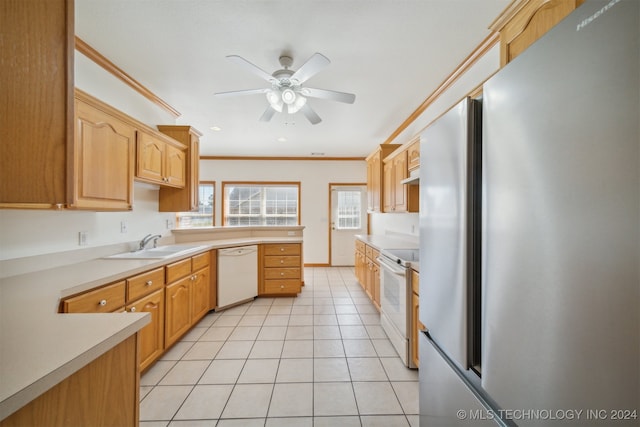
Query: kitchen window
[[205, 215], [255, 203]]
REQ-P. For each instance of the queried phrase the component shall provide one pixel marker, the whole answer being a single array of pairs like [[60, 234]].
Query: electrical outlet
[[123, 227], [83, 238], [169, 224]]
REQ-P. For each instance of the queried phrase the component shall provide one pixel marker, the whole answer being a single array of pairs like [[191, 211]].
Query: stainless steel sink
[[157, 253]]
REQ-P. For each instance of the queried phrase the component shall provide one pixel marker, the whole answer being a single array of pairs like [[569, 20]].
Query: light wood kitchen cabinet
[[525, 21], [186, 198], [103, 393], [281, 269], [160, 161], [36, 112], [145, 283], [177, 310], [151, 337], [416, 325], [360, 263], [200, 288], [103, 157], [145, 293], [105, 299], [399, 197], [187, 296], [373, 275], [413, 156], [375, 187], [367, 270], [55, 156]]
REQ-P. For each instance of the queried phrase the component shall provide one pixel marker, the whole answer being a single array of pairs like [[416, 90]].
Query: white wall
[[484, 68], [314, 177], [28, 232]]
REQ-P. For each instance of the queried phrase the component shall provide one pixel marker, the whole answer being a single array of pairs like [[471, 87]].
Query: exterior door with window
[[348, 218]]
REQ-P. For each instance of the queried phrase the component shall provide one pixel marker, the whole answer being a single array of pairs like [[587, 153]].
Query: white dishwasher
[[237, 275]]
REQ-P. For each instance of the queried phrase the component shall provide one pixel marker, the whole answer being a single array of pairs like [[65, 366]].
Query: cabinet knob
[[281, 249], [281, 261], [149, 283], [282, 274], [133, 309], [194, 277], [281, 286], [102, 302]]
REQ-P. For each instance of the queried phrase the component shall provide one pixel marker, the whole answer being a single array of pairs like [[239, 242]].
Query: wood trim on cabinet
[[489, 42], [91, 53]]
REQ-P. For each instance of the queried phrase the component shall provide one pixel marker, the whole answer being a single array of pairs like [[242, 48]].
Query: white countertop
[[384, 241], [40, 347]]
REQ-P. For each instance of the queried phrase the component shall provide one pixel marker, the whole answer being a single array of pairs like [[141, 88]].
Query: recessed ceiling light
[[215, 128], [282, 139]]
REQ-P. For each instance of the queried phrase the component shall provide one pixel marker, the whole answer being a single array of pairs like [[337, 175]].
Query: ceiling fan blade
[[251, 67], [241, 92], [311, 115], [314, 65], [268, 114], [347, 98]]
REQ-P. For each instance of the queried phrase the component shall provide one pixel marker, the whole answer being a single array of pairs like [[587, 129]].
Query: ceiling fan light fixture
[[297, 105], [275, 100], [288, 96]]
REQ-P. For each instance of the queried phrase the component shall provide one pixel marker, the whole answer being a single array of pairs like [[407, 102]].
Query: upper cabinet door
[[175, 166], [151, 155], [103, 160]]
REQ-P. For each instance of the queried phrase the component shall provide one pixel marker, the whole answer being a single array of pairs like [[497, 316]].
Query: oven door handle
[[392, 267]]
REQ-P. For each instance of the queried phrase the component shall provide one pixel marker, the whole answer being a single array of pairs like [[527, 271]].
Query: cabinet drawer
[[282, 273], [282, 249], [178, 270], [282, 261], [200, 261], [145, 283], [103, 300], [284, 286], [368, 251], [374, 255], [360, 246]]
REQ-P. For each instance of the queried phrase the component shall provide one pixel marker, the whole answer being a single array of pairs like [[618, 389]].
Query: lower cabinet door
[[177, 310], [200, 288], [151, 336]]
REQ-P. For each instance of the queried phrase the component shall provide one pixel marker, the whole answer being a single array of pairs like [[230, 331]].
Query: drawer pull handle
[[281, 261], [133, 309], [102, 303], [282, 274], [149, 283], [281, 286]]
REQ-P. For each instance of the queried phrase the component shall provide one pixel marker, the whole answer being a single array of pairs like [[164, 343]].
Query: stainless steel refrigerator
[[530, 236]]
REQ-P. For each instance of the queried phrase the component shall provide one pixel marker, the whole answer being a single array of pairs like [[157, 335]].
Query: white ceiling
[[390, 53]]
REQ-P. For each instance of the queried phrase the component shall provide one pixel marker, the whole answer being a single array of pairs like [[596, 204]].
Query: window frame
[[223, 196], [213, 207]]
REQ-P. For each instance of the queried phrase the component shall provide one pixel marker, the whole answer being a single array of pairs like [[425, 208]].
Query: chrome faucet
[[146, 239]]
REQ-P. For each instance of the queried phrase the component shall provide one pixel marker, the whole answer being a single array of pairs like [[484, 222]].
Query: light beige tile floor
[[320, 359]]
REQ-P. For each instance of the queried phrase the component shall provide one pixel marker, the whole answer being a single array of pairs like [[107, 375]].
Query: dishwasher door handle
[[240, 251]]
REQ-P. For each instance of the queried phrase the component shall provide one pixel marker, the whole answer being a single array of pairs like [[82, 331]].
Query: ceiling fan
[[287, 92]]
